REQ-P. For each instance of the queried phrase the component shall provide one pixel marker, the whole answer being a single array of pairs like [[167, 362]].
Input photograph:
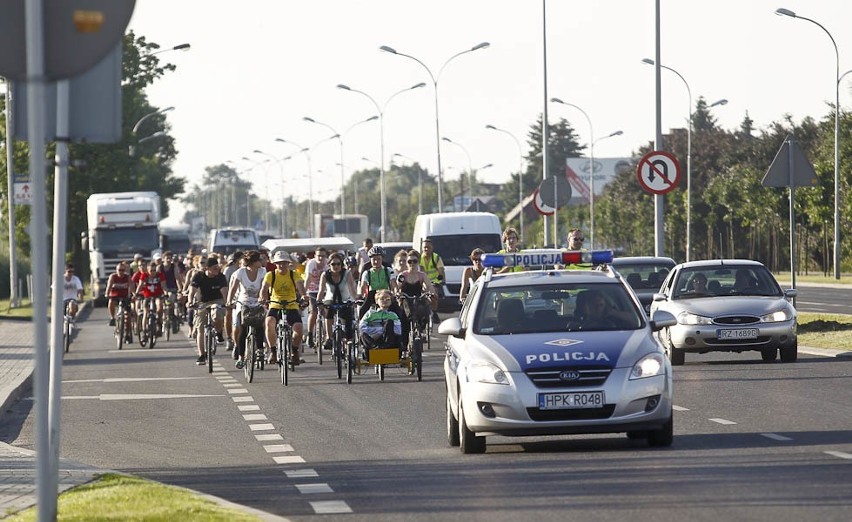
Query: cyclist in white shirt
[[313, 271], [243, 292], [72, 290]]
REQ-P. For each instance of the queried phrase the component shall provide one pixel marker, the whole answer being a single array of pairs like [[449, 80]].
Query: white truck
[[454, 235], [228, 240], [120, 224]]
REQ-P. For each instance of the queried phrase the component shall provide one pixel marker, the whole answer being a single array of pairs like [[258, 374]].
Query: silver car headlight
[[785, 314], [649, 366], [689, 318], [486, 372]]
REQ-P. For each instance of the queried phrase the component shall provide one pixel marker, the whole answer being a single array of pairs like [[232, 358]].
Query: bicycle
[[419, 317], [209, 332], [123, 328], [67, 326], [284, 344], [339, 353], [319, 332], [251, 317], [170, 320], [148, 328]]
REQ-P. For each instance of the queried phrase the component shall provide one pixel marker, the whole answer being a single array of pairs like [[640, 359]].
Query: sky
[[257, 67]]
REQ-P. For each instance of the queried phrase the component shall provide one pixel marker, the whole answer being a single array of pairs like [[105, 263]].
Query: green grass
[[814, 277], [825, 330], [121, 497], [24, 309]]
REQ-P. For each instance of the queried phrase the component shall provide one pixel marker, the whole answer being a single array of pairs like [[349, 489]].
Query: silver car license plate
[[739, 333], [571, 400]]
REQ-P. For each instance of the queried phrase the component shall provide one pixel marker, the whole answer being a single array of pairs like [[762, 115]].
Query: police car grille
[[551, 379], [561, 415]]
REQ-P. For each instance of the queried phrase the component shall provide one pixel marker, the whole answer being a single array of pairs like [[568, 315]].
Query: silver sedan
[[727, 305]]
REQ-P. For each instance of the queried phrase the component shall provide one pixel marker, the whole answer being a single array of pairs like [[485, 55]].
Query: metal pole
[[60, 213], [10, 182], [544, 133], [34, 10], [658, 145], [790, 167]]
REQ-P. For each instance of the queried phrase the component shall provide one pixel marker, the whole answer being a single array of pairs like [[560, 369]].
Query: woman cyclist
[[152, 285], [336, 287], [284, 291], [244, 294], [413, 282], [471, 273]]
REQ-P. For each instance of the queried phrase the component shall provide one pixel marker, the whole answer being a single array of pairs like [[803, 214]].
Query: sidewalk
[[17, 465]]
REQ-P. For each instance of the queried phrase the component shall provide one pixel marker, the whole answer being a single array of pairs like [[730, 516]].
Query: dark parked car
[[645, 275]]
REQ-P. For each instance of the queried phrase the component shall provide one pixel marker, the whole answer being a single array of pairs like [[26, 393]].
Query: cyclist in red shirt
[[152, 284], [118, 288]]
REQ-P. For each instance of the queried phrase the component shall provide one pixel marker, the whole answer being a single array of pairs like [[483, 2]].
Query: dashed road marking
[[234, 391], [278, 448], [261, 427], [311, 489], [301, 473], [330, 507], [243, 399], [136, 396], [232, 385], [133, 379], [263, 437], [722, 421], [679, 408], [248, 407], [840, 454], [254, 417], [775, 436], [291, 459]]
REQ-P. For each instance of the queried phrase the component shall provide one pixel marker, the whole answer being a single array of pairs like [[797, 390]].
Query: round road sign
[[658, 172]]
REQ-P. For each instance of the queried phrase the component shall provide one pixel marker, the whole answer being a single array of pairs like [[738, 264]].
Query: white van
[[454, 235], [232, 239]]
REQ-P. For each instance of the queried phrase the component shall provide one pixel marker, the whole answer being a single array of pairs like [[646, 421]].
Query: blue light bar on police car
[[547, 257]]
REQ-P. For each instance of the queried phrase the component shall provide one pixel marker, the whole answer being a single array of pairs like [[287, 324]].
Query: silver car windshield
[[556, 308], [727, 280]]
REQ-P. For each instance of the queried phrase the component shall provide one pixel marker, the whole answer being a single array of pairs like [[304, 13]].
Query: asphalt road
[[753, 441], [823, 299]]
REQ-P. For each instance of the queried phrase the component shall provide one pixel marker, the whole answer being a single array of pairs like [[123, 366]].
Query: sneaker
[[230, 345], [112, 322], [201, 360], [327, 345], [240, 364], [235, 354], [219, 337]]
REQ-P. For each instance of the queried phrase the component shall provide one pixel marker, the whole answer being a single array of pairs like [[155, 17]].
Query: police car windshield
[[556, 308]]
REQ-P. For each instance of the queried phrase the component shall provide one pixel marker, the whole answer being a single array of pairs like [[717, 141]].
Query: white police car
[[554, 352]]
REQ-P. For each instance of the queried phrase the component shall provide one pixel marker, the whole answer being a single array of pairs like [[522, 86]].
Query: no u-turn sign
[[658, 172]]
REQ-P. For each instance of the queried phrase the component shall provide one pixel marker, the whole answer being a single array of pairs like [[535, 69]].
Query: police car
[[554, 352]]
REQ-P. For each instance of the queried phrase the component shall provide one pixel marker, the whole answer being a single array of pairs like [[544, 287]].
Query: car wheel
[[790, 353], [768, 354], [676, 357], [452, 425], [664, 436], [469, 441]]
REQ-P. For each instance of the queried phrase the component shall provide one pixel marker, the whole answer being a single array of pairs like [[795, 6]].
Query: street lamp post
[[150, 115], [469, 165], [520, 174], [381, 111], [592, 183], [837, 77], [180, 47], [483, 45], [340, 142], [307, 153]]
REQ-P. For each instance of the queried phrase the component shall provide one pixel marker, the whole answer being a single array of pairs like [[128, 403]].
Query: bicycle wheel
[[119, 329], [66, 337], [210, 339], [286, 359], [249, 354], [152, 329], [338, 351], [417, 357], [319, 338], [429, 333], [350, 361], [140, 331], [167, 324]]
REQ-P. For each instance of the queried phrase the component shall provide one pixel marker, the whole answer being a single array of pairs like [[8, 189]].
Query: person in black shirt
[[208, 287]]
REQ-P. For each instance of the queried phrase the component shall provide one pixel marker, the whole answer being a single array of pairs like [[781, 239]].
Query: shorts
[[293, 316], [313, 298], [201, 314]]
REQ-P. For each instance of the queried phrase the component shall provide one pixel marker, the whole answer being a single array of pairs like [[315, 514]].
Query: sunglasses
[[336, 264], [476, 259], [412, 261]]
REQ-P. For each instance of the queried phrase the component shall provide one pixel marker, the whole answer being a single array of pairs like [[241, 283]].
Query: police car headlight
[[777, 317], [483, 371], [648, 366], [688, 318]]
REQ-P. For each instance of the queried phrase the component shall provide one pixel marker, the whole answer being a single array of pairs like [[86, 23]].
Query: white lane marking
[[136, 396], [261, 437], [840, 454], [278, 448], [234, 391], [290, 459], [775, 436], [261, 427], [679, 408], [310, 489], [156, 350], [301, 473], [722, 421], [248, 407], [232, 385], [134, 379], [254, 417], [243, 399], [330, 507]]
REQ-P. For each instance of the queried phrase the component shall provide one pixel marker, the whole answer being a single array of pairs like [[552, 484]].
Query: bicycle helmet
[[351, 261], [376, 251]]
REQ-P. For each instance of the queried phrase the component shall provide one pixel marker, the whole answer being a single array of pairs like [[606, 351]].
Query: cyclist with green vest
[[433, 265], [379, 277]]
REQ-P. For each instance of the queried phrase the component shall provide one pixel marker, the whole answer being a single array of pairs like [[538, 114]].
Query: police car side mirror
[[662, 319], [451, 326]]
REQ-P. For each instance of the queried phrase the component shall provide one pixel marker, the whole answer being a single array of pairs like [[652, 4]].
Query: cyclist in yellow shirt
[[285, 292]]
